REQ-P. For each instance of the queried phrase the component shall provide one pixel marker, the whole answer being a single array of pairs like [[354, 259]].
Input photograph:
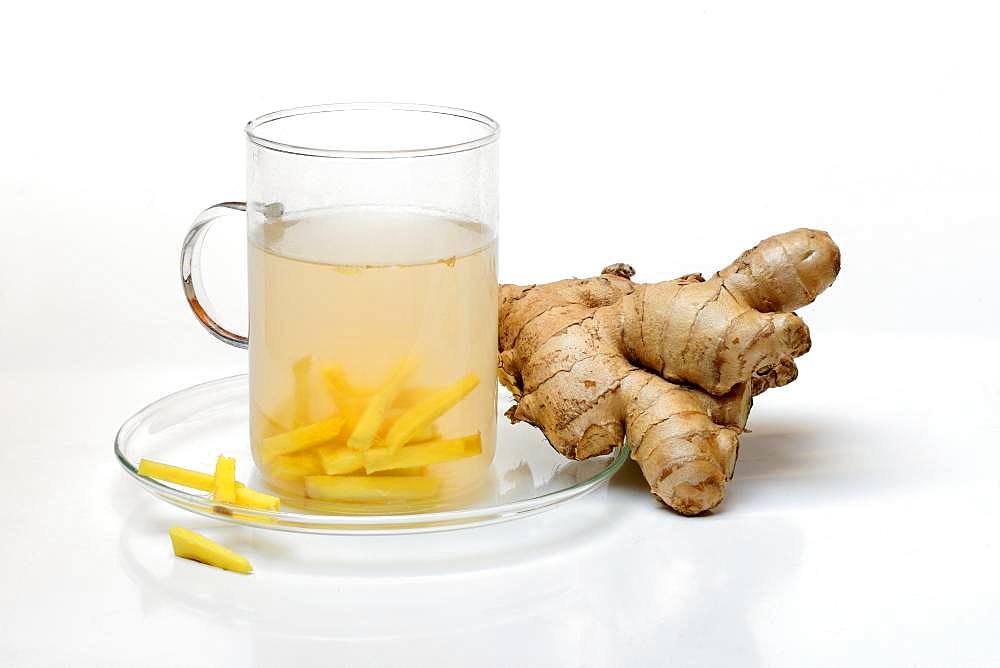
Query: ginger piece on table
[[425, 411], [224, 481], [302, 438], [188, 544], [376, 488], [374, 414], [422, 454], [337, 460]]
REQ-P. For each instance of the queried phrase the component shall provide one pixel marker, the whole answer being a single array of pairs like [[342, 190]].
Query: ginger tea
[[373, 355]]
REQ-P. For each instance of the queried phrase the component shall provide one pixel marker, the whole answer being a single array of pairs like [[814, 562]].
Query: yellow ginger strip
[[428, 410], [289, 487], [301, 438], [252, 518], [361, 488], [190, 545], [298, 465], [251, 498], [432, 452], [273, 424], [340, 460], [177, 475], [246, 497], [428, 432], [375, 412], [336, 375], [411, 471], [410, 396], [349, 400], [300, 371], [224, 487]]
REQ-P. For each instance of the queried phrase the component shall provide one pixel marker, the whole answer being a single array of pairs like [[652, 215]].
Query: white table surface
[[860, 525], [863, 524]]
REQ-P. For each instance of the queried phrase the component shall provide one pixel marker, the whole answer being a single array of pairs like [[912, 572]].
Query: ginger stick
[[177, 475], [296, 465], [428, 410], [423, 454], [339, 460], [246, 497], [380, 488], [188, 544], [300, 370], [348, 399], [375, 412], [301, 438], [224, 481]]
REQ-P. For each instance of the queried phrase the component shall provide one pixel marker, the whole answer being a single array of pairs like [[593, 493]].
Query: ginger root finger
[[573, 397], [711, 333], [784, 272], [684, 455]]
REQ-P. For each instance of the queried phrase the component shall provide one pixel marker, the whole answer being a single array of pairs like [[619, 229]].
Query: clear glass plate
[[190, 428]]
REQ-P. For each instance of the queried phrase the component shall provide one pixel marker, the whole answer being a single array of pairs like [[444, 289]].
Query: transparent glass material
[[190, 427], [372, 236]]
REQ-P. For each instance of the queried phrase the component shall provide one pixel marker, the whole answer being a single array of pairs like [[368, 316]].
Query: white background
[[862, 525]]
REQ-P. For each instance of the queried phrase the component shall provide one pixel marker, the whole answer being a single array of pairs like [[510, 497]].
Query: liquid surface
[[350, 306]]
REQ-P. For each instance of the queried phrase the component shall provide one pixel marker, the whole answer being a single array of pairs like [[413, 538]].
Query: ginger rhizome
[[670, 367]]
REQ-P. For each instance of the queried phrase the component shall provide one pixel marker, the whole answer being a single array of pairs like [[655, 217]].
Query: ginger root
[[671, 367]]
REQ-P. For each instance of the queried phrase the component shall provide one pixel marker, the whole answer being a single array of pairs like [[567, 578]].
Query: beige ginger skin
[[670, 366]]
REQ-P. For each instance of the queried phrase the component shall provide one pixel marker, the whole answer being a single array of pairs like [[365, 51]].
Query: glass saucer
[[190, 428]]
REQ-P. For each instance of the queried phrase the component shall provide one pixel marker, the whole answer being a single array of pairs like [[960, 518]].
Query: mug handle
[[194, 290]]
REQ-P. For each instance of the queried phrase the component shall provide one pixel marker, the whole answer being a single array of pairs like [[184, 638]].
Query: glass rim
[[491, 128]]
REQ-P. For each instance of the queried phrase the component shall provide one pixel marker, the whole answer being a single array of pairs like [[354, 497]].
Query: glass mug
[[372, 251]]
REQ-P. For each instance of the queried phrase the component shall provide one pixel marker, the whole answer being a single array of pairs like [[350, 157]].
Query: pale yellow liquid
[[360, 289]]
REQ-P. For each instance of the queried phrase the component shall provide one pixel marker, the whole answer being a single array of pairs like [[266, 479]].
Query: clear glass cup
[[372, 237]]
